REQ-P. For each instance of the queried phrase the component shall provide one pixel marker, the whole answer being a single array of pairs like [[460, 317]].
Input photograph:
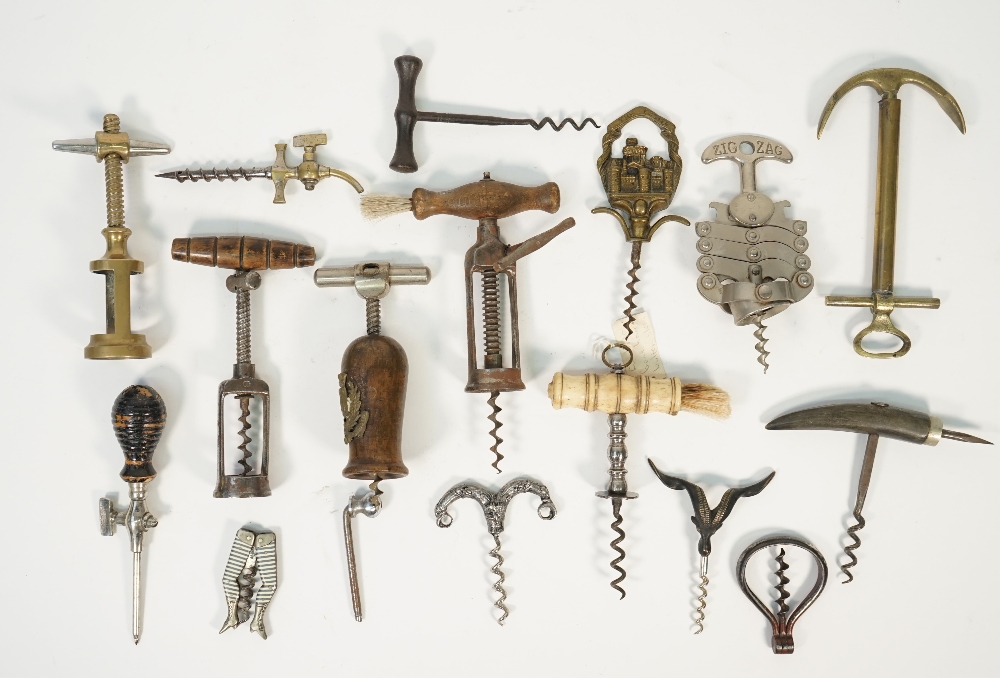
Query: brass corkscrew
[[638, 187], [245, 255]]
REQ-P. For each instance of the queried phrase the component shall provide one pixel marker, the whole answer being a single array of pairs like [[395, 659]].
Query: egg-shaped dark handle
[[138, 417]]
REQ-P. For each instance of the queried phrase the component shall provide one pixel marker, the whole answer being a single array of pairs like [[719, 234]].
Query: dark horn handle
[[407, 68]]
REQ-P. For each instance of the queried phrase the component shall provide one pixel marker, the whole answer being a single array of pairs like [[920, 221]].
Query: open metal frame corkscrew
[[253, 555], [372, 394], [707, 521], [494, 507], [753, 263], [245, 255], [638, 187]]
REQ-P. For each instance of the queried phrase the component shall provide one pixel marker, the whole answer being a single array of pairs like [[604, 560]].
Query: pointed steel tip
[[964, 437], [167, 175], [136, 638]]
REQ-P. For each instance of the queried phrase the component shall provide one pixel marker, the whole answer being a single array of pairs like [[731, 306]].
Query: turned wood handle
[[616, 393], [486, 199], [138, 417], [407, 68], [244, 253]]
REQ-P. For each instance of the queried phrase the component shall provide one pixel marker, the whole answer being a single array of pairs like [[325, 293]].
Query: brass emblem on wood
[[355, 419]]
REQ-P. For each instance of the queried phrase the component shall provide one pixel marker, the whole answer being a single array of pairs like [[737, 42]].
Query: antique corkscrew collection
[[751, 262]]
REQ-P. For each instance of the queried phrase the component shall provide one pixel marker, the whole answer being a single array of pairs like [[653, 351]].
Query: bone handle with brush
[[632, 394]]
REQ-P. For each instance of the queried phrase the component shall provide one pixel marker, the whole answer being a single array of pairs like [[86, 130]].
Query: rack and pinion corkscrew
[[372, 394], [138, 417], [486, 201], [246, 255], [619, 394]]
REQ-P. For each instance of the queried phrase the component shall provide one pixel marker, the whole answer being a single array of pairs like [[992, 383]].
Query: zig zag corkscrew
[[616, 510], [753, 262], [699, 611], [494, 507], [782, 580]]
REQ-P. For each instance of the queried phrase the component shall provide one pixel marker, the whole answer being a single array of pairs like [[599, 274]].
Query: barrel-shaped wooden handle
[[244, 253], [486, 199], [616, 393]]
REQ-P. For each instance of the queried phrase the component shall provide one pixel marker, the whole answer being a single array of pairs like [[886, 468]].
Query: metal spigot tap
[[113, 147], [138, 417]]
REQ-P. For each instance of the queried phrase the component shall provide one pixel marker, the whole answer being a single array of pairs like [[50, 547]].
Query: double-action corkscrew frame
[[245, 255], [372, 394]]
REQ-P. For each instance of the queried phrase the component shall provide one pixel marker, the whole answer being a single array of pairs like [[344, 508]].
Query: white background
[[222, 82]]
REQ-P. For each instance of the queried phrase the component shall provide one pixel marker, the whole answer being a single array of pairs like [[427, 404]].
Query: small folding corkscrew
[[494, 507], [753, 262], [638, 188], [309, 171], [486, 201], [617, 394], [138, 417], [372, 394], [878, 420], [708, 521], [253, 555], [245, 255], [114, 148]]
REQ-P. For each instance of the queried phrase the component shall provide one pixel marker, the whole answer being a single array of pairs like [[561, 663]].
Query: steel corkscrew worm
[[707, 521], [373, 377], [246, 255], [494, 507], [637, 188], [486, 201], [783, 622], [618, 394], [877, 420], [752, 257], [253, 555]]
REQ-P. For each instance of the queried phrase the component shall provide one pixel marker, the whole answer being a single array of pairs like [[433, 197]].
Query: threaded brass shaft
[[113, 184]]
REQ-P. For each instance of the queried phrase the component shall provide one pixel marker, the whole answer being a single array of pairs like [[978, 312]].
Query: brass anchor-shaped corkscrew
[[638, 188]]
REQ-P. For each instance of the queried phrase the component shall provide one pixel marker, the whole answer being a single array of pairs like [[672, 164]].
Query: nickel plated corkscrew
[[114, 148], [753, 263], [708, 521], [877, 420], [618, 394], [253, 555], [372, 394], [138, 417], [245, 255], [310, 172], [494, 507], [486, 201], [783, 622], [638, 188]]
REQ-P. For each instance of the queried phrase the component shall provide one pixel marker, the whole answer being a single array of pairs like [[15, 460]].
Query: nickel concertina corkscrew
[[246, 255], [407, 116], [138, 417], [783, 622], [114, 148], [619, 394], [372, 394], [310, 172], [486, 201], [254, 555], [494, 507], [708, 521], [877, 420], [638, 187], [753, 263]]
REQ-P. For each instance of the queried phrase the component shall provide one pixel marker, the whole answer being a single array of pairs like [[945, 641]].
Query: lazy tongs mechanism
[[753, 262], [310, 172]]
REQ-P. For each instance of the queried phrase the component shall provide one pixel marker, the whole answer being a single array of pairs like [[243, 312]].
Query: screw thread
[[242, 326], [373, 315], [113, 185]]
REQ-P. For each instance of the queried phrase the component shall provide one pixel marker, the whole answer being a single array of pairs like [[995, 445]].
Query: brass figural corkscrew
[[138, 417], [486, 201], [310, 172], [114, 148], [253, 555], [618, 394], [878, 420], [245, 255], [753, 262], [638, 188], [707, 521], [372, 394], [494, 507]]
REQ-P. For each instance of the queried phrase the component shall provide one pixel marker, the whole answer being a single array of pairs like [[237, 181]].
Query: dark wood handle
[[486, 199], [407, 68], [138, 417], [244, 253]]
